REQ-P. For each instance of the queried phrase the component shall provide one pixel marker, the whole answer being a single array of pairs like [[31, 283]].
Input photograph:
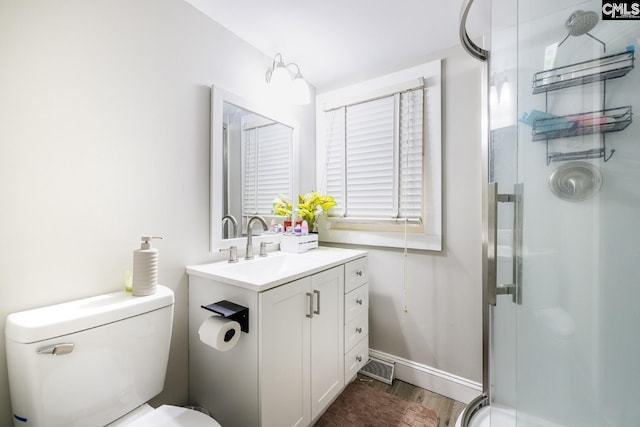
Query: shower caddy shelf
[[593, 122]]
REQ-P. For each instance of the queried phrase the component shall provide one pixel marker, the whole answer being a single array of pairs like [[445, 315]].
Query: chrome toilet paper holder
[[232, 311]]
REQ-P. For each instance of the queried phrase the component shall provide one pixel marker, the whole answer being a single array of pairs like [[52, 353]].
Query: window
[[379, 157], [374, 160]]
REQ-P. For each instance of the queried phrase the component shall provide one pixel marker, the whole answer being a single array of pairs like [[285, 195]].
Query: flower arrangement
[[310, 207]]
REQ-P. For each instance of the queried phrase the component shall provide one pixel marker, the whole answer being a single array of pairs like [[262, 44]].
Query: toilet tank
[[88, 362]]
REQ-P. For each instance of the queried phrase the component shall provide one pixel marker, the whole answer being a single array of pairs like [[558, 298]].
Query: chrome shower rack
[[594, 122]]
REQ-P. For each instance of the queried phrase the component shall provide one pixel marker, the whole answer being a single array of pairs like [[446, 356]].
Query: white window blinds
[[374, 166], [266, 167], [335, 166], [411, 154]]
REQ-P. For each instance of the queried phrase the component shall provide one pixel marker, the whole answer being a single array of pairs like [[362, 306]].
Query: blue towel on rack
[[545, 122]]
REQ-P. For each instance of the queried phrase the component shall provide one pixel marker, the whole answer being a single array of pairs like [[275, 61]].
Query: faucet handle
[[263, 248], [233, 253]]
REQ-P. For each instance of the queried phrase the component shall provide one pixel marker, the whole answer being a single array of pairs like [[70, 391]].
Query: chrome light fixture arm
[[274, 65]]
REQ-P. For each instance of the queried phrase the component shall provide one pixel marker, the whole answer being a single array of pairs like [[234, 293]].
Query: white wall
[[104, 136], [442, 329]]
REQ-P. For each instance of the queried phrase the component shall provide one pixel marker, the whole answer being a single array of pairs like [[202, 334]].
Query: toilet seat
[[171, 416]]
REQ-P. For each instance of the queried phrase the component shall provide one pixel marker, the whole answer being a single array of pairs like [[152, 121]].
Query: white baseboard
[[435, 380]]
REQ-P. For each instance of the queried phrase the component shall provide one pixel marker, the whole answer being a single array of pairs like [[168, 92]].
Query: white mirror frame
[[218, 97]]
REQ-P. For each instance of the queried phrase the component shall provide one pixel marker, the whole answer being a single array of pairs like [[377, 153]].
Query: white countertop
[[263, 273]]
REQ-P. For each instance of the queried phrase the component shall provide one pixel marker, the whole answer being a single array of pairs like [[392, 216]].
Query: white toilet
[[94, 362]]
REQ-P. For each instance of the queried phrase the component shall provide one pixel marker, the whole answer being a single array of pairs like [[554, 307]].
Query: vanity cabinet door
[[327, 338], [284, 354]]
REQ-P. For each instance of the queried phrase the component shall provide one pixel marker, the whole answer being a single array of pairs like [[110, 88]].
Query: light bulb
[[300, 91], [281, 79]]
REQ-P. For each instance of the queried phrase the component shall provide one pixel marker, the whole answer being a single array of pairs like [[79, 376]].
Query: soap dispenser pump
[[145, 268]]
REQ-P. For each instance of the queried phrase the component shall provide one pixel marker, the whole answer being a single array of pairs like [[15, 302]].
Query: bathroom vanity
[[308, 335]]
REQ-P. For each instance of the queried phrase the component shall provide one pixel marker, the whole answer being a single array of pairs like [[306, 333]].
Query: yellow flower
[[281, 206], [310, 205]]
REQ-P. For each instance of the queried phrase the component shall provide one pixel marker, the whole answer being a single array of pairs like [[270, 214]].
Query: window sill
[[337, 232]]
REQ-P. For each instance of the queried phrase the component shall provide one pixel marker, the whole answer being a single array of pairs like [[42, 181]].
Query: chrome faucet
[[234, 222], [249, 254]]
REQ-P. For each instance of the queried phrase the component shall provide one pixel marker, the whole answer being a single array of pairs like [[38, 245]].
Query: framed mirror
[[254, 151]]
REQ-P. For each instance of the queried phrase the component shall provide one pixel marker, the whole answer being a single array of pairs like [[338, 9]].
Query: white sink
[[277, 268]]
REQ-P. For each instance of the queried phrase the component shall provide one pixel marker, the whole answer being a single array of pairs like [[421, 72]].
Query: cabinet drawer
[[355, 330], [355, 303], [355, 274], [356, 359]]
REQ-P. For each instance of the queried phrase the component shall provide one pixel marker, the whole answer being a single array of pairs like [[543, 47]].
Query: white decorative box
[[298, 244]]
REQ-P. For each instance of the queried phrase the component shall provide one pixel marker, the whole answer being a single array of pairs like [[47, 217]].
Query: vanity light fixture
[[280, 79]]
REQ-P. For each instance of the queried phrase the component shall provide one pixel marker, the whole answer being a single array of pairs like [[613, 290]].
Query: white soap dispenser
[[145, 268]]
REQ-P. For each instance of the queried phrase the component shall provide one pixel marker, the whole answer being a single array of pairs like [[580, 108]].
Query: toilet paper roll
[[219, 333]]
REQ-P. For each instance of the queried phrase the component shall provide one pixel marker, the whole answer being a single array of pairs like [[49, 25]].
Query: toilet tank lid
[[74, 316]]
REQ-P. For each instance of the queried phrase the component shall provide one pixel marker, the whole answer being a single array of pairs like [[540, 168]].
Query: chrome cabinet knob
[[359, 358], [359, 330], [359, 273], [359, 301]]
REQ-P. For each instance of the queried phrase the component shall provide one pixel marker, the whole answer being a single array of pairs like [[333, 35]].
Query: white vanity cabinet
[[290, 366], [302, 369]]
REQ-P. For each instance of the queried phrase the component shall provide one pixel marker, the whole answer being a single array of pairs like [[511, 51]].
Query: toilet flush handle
[[56, 349]]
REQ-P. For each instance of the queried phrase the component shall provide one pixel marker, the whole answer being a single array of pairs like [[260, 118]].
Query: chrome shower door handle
[[472, 48], [490, 280], [518, 229]]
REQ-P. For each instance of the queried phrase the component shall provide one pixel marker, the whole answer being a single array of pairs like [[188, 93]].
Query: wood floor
[[447, 409]]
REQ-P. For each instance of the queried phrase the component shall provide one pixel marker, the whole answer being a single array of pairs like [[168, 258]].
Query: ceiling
[[338, 42]]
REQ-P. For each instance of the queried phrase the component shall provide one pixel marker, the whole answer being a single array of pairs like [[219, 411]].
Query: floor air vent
[[380, 370]]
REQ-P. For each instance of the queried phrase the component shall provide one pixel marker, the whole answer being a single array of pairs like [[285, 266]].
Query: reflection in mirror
[[252, 156], [258, 164]]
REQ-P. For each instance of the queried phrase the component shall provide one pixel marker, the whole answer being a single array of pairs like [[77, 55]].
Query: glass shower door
[[572, 346], [562, 243]]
